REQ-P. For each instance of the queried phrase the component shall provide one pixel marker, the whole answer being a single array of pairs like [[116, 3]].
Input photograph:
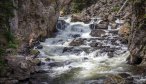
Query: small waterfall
[[76, 56]]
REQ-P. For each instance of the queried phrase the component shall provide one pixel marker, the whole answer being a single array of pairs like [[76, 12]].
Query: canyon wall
[[22, 26], [35, 20], [137, 38]]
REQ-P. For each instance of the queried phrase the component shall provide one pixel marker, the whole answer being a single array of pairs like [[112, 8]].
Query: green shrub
[[115, 9], [12, 45], [34, 52], [6, 12]]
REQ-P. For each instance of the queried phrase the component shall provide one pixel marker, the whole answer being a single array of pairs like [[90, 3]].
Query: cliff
[[137, 38], [106, 9], [35, 20], [23, 24]]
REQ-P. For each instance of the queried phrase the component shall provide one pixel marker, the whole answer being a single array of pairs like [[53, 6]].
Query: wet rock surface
[[97, 33]]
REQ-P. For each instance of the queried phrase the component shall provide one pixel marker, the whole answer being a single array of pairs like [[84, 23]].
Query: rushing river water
[[85, 62]]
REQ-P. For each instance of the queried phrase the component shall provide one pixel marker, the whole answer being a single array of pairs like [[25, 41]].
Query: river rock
[[72, 50], [56, 64], [122, 78], [61, 24], [76, 35], [97, 33], [110, 54], [114, 32], [94, 44], [93, 26], [98, 26], [39, 47], [85, 18], [124, 32], [77, 42]]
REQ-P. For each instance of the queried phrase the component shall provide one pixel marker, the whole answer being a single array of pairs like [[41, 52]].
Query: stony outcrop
[[137, 38], [19, 68], [107, 9], [124, 32], [33, 21]]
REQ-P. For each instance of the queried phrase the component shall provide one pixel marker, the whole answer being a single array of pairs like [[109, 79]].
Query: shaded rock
[[97, 33], [77, 42], [103, 25], [124, 32], [71, 50], [121, 78], [85, 19], [94, 44], [56, 64], [109, 49], [8, 81], [93, 26], [114, 26], [39, 47], [76, 35], [115, 32], [34, 52], [21, 67], [47, 59], [39, 78], [61, 24], [85, 58], [110, 54]]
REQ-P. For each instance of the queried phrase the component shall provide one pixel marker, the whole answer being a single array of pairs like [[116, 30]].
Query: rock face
[[137, 38], [35, 19], [107, 9], [20, 68]]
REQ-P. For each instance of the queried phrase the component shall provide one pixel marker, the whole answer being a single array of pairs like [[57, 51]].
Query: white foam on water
[[90, 63], [119, 21]]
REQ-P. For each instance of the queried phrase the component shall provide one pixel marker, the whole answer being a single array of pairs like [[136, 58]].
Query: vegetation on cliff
[[7, 39], [137, 36], [79, 5]]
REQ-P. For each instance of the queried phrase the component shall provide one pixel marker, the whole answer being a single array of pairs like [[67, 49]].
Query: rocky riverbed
[[82, 53]]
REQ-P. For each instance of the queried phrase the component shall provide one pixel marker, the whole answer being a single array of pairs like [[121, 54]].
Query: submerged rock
[[61, 24], [39, 47]]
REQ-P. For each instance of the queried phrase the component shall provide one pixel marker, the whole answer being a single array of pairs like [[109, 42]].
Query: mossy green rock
[[34, 52]]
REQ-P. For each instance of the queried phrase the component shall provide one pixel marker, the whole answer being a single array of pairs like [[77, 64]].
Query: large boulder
[[61, 24], [21, 67], [121, 78], [124, 32], [77, 42], [78, 17], [101, 25]]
